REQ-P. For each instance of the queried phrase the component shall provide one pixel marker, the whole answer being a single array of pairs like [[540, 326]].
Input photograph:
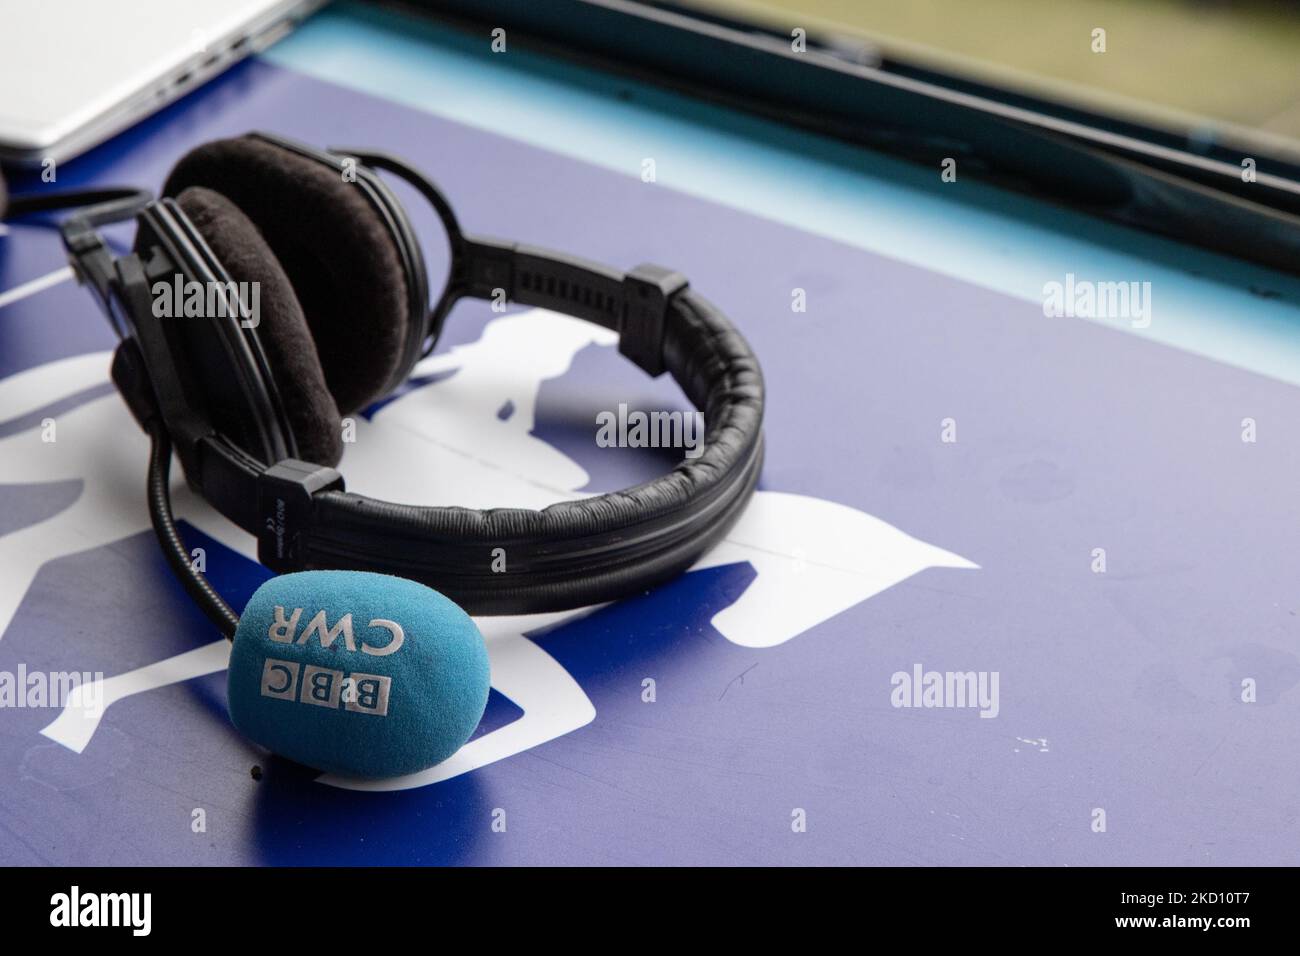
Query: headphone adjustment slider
[[284, 498], [648, 292]]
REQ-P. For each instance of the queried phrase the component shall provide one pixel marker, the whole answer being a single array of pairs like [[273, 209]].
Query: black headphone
[[254, 411]]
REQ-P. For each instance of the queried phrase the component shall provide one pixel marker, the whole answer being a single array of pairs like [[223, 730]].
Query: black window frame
[[1189, 189]]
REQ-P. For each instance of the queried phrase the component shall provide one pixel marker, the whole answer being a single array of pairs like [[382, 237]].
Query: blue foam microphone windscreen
[[355, 673]]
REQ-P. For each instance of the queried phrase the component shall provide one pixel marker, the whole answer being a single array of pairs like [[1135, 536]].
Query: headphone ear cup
[[281, 328], [339, 253]]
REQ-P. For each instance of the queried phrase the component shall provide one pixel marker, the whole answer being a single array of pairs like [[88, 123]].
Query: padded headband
[[570, 554], [589, 550]]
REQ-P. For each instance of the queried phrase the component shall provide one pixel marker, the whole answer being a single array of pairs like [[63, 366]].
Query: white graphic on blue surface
[[443, 442]]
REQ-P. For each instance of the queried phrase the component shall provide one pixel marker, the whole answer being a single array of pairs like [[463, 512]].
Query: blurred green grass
[[1173, 62]]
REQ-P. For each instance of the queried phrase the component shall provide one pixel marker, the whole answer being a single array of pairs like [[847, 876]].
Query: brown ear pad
[[281, 328], [336, 249]]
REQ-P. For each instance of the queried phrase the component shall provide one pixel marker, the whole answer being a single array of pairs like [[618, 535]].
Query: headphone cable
[[98, 206], [196, 585]]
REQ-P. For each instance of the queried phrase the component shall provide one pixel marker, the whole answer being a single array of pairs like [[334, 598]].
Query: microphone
[[356, 673], [352, 672]]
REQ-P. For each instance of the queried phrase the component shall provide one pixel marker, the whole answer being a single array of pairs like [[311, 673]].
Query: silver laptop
[[74, 72]]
